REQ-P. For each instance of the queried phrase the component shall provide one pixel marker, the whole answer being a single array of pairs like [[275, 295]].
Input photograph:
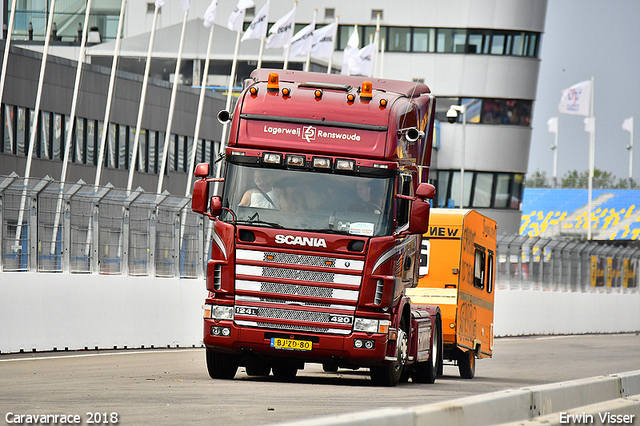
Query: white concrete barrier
[[535, 312], [595, 400], [43, 312]]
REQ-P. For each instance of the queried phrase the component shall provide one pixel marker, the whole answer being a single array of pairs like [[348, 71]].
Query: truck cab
[[317, 229]]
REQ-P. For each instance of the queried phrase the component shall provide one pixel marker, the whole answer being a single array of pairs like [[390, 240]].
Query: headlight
[[368, 325], [219, 312]]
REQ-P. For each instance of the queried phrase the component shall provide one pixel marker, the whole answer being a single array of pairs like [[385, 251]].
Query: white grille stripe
[[294, 328], [328, 305], [336, 293], [294, 259], [297, 274]]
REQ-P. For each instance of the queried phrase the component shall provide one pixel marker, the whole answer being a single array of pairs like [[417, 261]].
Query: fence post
[[4, 185], [34, 194], [66, 228], [126, 228], [94, 237]]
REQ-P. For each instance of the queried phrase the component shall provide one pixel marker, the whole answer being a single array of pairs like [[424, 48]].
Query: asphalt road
[[158, 387]]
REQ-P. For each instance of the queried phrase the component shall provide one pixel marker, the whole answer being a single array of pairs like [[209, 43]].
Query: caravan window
[[478, 270]]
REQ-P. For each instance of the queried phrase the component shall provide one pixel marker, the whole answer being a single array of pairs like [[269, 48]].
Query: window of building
[[498, 41], [451, 40], [90, 142], [112, 139], [9, 129], [250, 12], [123, 147], [153, 145], [22, 133], [375, 13], [329, 13], [399, 39], [424, 40], [151, 8], [80, 139], [482, 191], [502, 190], [44, 125], [142, 151], [479, 41]]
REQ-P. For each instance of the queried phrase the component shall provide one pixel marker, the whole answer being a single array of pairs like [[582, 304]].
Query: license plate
[[294, 345]]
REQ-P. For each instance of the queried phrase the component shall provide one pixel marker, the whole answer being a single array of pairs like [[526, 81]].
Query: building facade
[[483, 54]]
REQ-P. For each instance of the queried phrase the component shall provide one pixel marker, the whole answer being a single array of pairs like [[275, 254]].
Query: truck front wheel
[[427, 371], [389, 375], [221, 365]]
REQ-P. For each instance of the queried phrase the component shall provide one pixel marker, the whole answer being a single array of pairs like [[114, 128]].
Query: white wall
[[47, 311]]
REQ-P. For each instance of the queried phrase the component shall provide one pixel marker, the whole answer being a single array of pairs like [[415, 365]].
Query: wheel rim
[[434, 348], [403, 349]]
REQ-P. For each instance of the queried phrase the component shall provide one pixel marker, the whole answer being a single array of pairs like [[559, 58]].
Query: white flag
[[351, 49], [303, 40], [576, 99], [236, 20], [627, 124], [159, 3], [184, 5], [210, 14], [258, 27], [552, 123], [362, 63], [590, 124], [282, 31], [323, 41]]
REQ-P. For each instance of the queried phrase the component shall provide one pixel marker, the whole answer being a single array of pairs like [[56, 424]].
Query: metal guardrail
[[48, 226], [565, 265]]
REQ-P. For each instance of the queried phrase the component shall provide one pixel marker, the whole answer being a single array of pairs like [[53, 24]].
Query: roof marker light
[[317, 93], [273, 82], [367, 91], [383, 102], [286, 91], [253, 90], [351, 97]]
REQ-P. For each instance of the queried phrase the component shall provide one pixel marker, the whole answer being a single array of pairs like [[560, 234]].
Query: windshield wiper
[[258, 221]]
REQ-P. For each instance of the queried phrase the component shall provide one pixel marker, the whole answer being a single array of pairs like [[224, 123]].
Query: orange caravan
[[457, 265]]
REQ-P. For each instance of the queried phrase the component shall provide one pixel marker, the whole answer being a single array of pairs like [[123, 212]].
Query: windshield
[[304, 200]]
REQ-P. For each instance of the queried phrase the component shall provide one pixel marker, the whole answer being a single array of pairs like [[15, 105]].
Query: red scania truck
[[317, 229]]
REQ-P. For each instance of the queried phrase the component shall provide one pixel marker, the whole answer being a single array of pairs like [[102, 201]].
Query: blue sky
[[585, 38]]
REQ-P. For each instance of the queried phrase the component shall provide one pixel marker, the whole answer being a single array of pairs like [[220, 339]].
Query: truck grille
[[324, 301]]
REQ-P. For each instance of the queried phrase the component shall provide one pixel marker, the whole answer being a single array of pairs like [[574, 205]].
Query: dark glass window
[[399, 39]]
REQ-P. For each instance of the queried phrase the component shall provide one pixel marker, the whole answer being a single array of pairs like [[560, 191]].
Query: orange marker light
[[253, 90], [286, 91], [351, 97], [383, 102], [317, 93], [273, 82], [367, 91]]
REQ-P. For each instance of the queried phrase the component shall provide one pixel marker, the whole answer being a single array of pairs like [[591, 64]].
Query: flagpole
[[7, 47], [34, 123], [145, 82], [376, 40], [555, 155], [196, 132], [72, 118], [229, 93], [174, 92], [112, 80], [592, 152], [261, 51], [630, 148], [287, 48], [381, 73], [308, 62], [333, 46]]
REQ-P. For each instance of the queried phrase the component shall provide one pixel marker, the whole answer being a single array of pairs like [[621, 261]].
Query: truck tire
[[257, 369], [427, 371], [389, 375], [285, 371], [221, 365], [467, 365]]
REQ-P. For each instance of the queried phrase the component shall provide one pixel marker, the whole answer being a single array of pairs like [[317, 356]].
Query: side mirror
[[426, 190], [202, 170], [200, 196], [216, 206], [419, 219]]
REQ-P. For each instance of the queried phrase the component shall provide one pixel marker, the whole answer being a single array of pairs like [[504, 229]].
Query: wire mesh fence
[[79, 228]]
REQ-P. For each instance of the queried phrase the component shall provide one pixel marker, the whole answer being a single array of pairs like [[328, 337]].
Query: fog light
[[357, 343], [215, 331], [452, 325], [226, 331]]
